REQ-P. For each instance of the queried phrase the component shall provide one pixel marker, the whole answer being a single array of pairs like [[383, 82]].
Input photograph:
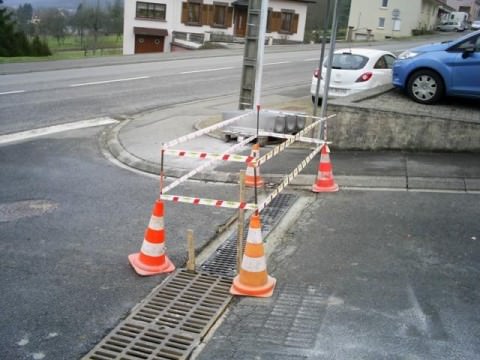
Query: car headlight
[[407, 55]]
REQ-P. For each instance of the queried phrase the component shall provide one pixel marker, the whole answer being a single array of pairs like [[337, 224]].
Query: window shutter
[[184, 12], [206, 18], [229, 20], [294, 24], [276, 21]]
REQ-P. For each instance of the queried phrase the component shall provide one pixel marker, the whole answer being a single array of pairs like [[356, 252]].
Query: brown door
[[240, 21], [148, 44]]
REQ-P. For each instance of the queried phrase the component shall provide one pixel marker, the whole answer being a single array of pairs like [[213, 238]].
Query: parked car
[[354, 70], [452, 26], [429, 72], [475, 25]]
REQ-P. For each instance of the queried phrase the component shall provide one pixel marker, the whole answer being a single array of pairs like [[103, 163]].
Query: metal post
[[322, 55], [241, 221], [260, 51], [333, 39]]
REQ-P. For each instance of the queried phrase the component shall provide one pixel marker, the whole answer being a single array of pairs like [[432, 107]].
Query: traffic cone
[[325, 181], [151, 259], [250, 179], [253, 279]]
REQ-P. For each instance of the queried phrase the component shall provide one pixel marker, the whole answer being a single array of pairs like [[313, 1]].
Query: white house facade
[[393, 18], [471, 7], [175, 25]]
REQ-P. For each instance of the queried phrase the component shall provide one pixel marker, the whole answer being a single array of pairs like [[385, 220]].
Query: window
[[381, 22], [220, 14], [347, 61], [152, 11], [194, 12], [384, 3], [286, 21]]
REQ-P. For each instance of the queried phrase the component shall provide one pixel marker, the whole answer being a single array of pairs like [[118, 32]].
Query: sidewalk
[[137, 141]]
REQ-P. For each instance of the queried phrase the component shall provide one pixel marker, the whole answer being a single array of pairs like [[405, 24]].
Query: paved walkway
[[137, 141]]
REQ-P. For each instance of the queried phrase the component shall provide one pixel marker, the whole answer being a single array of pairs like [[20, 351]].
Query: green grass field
[[71, 48]]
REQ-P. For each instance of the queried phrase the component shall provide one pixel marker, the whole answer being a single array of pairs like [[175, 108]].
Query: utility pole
[[250, 87]]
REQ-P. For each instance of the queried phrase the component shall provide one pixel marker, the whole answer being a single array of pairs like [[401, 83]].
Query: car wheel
[[425, 87]]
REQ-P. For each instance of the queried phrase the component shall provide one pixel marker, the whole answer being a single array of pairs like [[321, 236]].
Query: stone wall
[[385, 119]]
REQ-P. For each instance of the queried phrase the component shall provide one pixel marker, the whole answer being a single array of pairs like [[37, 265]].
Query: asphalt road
[[68, 220], [70, 91]]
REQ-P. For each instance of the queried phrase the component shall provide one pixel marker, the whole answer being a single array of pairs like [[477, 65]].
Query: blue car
[[429, 72]]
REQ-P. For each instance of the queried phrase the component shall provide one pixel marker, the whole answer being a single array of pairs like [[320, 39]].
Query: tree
[[14, 42], [115, 18], [53, 23], [24, 18]]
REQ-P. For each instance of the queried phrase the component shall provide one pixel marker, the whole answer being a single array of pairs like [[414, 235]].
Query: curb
[[401, 183]]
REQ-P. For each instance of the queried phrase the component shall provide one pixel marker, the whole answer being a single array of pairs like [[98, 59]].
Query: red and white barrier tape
[[209, 202], [289, 136], [279, 148], [288, 179], [205, 165], [207, 155], [203, 131], [279, 112]]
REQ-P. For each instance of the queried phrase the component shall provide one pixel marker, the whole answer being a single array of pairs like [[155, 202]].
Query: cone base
[[147, 270], [257, 291], [332, 188], [259, 183]]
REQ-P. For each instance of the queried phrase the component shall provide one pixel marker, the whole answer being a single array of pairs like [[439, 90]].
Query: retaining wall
[[385, 119]]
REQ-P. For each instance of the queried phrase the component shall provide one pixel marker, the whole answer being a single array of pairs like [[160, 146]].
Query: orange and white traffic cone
[[252, 176], [325, 181], [253, 279], [151, 259]]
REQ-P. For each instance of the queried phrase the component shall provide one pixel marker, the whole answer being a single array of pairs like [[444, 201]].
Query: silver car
[[475, 25], [452, 26]]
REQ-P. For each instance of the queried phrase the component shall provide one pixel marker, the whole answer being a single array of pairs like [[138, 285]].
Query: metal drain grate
[[186, 302], [171, 321], [136, 341], [223, 261]]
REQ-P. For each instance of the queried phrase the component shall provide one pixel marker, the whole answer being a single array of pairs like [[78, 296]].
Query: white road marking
[[29, 134], [206, 70], [109, 81], [278, 63], [12, 92]]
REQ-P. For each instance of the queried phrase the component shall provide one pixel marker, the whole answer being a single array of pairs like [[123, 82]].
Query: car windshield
[[347, 61]]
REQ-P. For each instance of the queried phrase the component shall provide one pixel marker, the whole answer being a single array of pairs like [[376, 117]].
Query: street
[[69, 217]]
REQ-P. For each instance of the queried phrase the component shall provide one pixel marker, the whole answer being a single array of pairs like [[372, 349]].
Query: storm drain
[[223, 260], [171, 322]]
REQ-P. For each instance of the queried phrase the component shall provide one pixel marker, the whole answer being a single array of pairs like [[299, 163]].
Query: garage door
[[148, 44]]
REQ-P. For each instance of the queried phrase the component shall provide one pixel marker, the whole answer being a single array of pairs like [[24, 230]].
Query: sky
[[36, 4]]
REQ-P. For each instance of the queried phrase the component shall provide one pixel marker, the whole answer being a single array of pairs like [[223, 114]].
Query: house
[[381, 19], [175, 25], [471, 7]]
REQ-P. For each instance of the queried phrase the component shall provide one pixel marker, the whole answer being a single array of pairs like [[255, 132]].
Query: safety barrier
[[252, 278]]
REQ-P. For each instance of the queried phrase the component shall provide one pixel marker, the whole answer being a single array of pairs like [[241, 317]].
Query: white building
[[471, 7], [174, 25], [392, 18]]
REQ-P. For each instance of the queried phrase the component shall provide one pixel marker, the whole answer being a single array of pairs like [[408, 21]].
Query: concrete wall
[[362, 123]]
